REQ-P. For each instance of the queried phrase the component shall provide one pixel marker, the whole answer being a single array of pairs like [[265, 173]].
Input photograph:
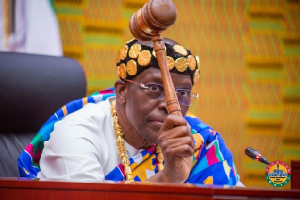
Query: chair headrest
[[33, 87]]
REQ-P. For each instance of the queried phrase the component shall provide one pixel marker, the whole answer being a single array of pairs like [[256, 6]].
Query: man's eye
[[182, 93], [154, 88]]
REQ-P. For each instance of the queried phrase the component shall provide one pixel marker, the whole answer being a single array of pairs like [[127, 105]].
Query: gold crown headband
[[134, 58]]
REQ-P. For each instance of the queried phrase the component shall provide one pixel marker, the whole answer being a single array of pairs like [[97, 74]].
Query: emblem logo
[[278, 174]]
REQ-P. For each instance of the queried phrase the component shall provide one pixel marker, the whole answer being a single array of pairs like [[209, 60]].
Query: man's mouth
[[157, 122]]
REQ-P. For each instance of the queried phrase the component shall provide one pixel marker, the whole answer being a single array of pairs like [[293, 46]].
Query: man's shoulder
[[90, 115], [195, 123], [92, 110]]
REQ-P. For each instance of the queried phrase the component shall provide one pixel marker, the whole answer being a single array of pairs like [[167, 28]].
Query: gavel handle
[[170, 93]]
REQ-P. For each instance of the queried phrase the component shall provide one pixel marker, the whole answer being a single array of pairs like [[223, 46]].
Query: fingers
[[175, 138], [176, 132], [182, 133], [189, 126], [177, 144], [182, 151], [180, 147], [172, 121], [186, 142]]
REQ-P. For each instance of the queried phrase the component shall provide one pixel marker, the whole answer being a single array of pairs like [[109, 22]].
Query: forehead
[[153, 75]]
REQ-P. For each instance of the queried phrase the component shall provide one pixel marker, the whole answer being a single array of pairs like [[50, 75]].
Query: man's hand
[[177, 145]]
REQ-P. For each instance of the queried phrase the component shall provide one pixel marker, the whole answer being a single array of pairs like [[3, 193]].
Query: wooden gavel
[[147, 24]]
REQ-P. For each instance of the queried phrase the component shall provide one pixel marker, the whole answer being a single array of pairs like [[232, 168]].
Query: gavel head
[[155, 17]]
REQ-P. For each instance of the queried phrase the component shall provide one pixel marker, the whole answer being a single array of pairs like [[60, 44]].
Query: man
[[133, 127]]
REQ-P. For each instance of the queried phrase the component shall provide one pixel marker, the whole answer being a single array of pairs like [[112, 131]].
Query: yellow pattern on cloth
[[209, 180], [227, 168], [140, 170]]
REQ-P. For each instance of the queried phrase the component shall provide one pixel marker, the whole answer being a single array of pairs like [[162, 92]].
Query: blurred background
[[250, 66]]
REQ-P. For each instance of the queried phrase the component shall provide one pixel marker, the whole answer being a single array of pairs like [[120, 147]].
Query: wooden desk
[[295, 178], [22, 189]]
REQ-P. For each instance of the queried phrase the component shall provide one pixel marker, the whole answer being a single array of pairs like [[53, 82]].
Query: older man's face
[[146, 114]]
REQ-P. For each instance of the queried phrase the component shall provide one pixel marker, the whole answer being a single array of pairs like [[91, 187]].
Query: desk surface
[[10, 188]]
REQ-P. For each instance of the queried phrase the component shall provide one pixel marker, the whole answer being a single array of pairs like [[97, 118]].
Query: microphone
[[255, 155]]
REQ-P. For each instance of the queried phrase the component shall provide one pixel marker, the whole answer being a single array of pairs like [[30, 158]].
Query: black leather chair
[[32, 88]]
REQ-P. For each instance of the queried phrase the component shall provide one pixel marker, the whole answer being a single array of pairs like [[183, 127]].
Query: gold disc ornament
[[144, 58], [192, 62], [181, 64], [198, 62], [131, 67], [196, 75], [122, 71], [123, 52], [170, 62], [180, 49], [135, 50]]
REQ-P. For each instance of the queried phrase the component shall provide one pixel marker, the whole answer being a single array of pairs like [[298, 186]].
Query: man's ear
[[121, 91]]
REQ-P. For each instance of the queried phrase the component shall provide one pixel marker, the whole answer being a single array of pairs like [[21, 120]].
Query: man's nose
[[162, 105]]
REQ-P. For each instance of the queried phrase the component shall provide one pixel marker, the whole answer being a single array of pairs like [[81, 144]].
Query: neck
[[130, 134]]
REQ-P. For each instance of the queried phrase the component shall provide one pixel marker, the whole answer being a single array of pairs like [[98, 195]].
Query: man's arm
[[71, 152]]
